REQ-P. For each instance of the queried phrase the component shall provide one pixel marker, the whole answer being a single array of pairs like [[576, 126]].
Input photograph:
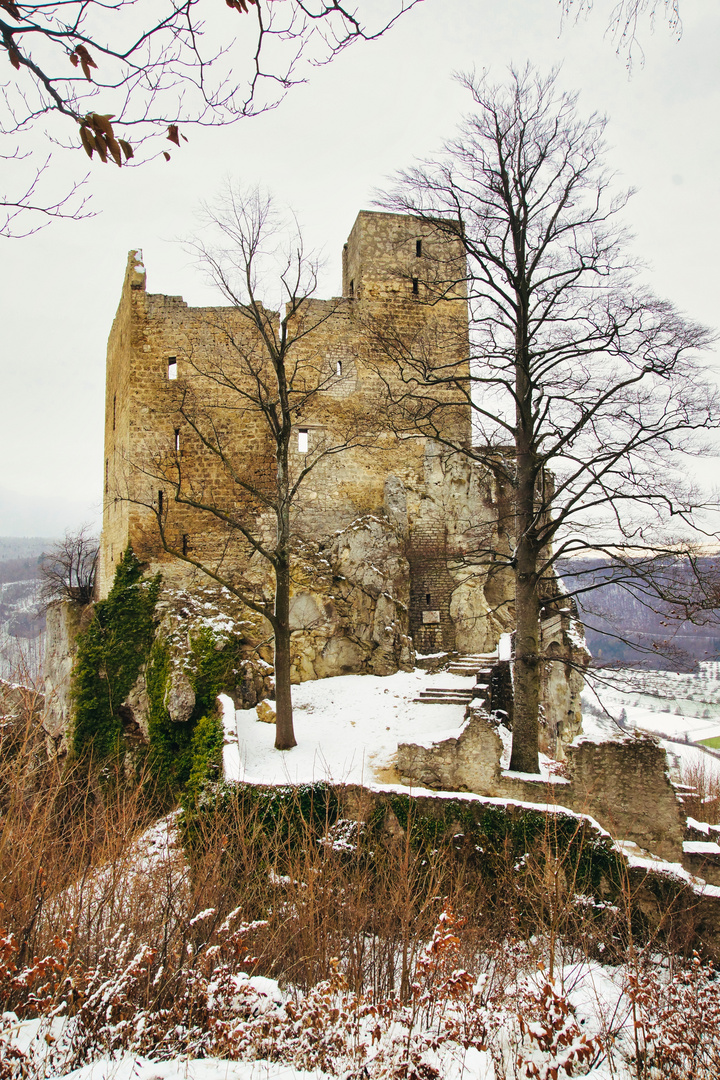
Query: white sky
[[324, 151]]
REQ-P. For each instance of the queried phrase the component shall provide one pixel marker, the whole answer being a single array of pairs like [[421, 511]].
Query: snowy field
[[685, 708]]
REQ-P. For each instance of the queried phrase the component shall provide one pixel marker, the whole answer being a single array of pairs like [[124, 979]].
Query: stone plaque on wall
[[430, 617]]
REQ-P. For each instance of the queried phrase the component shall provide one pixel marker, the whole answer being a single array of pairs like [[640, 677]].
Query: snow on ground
[[130, 1067], [348, 729]]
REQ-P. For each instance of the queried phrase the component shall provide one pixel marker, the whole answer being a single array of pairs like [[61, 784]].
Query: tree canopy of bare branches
[[104, 78], [247, 391], [595, 384], [68, 569]]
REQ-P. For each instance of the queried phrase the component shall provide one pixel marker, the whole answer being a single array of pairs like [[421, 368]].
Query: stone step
[[454, 691], [466, 669], [440, 701], [441, 696]]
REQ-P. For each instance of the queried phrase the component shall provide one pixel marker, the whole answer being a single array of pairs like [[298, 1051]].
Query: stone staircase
[[472, 664], [468, 666], [437, 695]]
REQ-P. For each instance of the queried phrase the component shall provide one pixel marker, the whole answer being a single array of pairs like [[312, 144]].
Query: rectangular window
[[161, 500], [302, 441], [114, 409], [107, 475], [415, 286], [172, 368], [338, 370], [177, 440], [418, 248], [351, 290], [185, 543], [427, 599]]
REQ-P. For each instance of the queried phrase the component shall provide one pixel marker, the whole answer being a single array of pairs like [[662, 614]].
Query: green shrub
[[111, 653]]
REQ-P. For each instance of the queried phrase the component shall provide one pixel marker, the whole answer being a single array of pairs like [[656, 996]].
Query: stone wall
[[623, 783]]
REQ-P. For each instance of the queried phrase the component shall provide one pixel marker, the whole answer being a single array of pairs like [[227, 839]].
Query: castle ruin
[[384, 527]]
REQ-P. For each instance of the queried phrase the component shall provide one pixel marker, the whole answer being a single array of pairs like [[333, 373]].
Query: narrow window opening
[[177, 440], [339, 367], [351, 288], [418, 248], [114, 409], [172, 368], [185, 544], [302, 442], [415, 286], [107, 475], [427, 599], [161, 500]]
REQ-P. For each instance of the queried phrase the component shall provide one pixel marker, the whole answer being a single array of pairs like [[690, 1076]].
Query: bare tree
[[68, 569], [257, 404], [626, 19], [104, 78], [593, 383]]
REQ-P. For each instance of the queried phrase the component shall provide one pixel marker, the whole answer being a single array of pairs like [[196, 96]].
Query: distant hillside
[[621, 629], [24, 547], [22, 622]]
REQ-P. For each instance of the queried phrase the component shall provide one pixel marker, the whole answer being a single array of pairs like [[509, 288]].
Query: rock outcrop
[[352, 617]]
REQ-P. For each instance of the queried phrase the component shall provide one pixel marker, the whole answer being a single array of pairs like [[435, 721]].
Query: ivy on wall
[[190, 752], [110, 655], [120, 641]]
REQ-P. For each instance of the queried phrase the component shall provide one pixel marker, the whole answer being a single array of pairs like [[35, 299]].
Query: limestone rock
[[135, 710], [353, 615], [179, 697], [395, 504], [64, 622], [265, 712]]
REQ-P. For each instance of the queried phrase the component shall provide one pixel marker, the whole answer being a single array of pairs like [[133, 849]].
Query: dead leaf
[[86, 61], [88, 140], [174, 134]]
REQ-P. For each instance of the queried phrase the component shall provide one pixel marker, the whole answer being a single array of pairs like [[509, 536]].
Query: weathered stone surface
[[476, 628], [179, 697], [395, 504], [624, 783], [355, 619], [265, 712], [469, 761], [64, 622], [135, 711], [566, 656]]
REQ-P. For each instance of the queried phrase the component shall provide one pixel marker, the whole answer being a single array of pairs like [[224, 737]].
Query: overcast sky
[[324, 151]]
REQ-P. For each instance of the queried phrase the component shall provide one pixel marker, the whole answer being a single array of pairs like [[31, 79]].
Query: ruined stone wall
[[623, 783]]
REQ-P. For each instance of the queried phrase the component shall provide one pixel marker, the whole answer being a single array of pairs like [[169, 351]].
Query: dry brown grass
[[704, 803]]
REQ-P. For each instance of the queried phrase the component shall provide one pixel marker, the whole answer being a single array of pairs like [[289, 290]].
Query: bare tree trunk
[[524, 757], [284, 732], [527, 663]]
